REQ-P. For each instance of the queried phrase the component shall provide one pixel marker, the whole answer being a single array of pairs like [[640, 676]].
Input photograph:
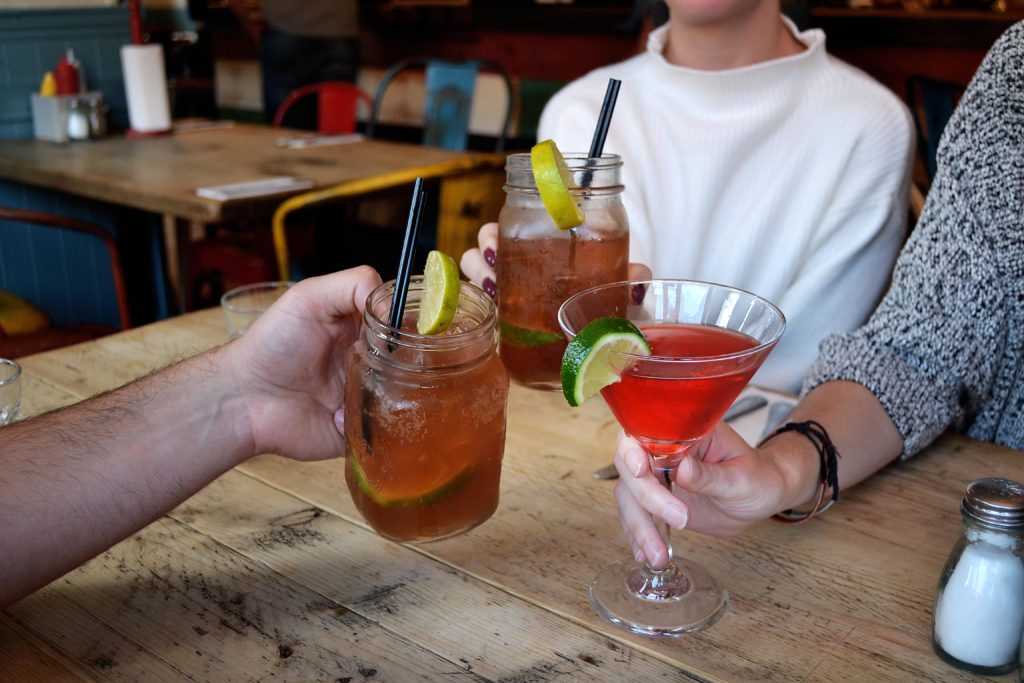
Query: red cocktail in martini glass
[[706, 342]]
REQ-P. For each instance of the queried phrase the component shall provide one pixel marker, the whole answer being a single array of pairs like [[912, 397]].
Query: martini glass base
[[671, 603]]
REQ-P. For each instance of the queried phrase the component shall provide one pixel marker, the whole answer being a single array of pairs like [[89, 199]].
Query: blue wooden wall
[[31, 43]]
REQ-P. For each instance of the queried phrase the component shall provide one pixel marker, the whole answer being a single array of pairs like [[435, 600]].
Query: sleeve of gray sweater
[[936, 349]]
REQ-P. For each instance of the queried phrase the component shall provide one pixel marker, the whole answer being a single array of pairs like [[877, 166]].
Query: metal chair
[[71, 270], [449, 100], [337, 106], [459, 217]]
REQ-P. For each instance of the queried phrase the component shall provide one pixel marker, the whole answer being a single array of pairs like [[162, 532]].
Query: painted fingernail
[[490, 288], [675, 516], [490, 256], [637, 292]]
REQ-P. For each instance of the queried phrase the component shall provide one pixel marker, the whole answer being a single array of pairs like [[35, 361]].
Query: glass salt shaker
[[78, 120], [979, 607]]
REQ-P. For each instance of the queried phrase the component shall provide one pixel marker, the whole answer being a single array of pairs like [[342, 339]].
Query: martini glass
[[706, 340]]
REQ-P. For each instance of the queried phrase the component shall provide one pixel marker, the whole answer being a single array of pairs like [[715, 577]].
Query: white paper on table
[[254, 188], [304, 141], [751, 425]]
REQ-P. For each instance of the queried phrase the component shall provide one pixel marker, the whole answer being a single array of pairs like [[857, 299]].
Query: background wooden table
[[270, 571], [160, 175]]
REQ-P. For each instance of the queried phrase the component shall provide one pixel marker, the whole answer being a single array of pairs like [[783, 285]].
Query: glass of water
[[243, 305], [10, 391]]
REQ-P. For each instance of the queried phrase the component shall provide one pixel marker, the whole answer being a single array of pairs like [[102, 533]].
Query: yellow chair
[[469, 198]]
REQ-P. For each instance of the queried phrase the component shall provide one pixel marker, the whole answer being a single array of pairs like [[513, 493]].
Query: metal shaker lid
[[995, 502]]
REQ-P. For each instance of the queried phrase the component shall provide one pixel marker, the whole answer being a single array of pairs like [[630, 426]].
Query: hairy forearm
[[75, 481], [863, 433]]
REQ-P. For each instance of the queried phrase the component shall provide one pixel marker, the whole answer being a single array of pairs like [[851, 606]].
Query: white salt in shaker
[[979, 609]]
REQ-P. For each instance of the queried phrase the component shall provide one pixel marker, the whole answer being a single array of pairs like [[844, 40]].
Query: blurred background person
[[305, 42]]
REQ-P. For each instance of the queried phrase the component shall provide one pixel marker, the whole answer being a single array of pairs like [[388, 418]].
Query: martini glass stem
[[668, 583], [664, 530]]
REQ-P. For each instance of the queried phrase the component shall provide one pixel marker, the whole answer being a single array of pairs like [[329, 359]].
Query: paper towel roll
[[145, 87]]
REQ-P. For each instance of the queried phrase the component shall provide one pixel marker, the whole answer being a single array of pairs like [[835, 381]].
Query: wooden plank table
[[160, 175], [271, 572]]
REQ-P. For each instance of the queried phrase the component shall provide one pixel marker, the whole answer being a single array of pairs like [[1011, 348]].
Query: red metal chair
[[45, 337], [337, 105]]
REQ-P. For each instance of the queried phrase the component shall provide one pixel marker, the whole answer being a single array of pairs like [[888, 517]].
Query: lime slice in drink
[[592, 361], [525, 337], [422, 500], [554, 179], [440, 294]]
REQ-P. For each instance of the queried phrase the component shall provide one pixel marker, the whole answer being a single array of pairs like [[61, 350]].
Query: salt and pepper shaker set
[[979, 607], [87, 117]]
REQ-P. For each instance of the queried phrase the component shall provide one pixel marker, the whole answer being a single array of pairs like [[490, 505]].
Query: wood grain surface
[[270, 573], [160, 175]]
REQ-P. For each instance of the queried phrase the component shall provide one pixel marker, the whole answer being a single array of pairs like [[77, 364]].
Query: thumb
[[706, 478], [639, 271], [338, 294]]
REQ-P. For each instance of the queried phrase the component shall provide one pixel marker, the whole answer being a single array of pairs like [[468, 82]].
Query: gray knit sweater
[[945, 348]]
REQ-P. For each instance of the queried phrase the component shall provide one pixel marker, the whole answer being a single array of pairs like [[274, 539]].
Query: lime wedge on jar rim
[[554, 180], [592, 359], [440, 297]]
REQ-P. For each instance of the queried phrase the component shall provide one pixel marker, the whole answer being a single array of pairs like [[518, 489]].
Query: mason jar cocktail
[[425, 418], [540, 266]]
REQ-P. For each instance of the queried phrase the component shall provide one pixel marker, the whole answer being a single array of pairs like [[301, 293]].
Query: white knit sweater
[[788, 178]]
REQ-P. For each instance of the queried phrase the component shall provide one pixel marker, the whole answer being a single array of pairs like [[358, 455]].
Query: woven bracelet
[[829, 475]]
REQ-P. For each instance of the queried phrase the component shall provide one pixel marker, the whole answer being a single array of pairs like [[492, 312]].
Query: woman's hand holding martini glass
[[669, 357]]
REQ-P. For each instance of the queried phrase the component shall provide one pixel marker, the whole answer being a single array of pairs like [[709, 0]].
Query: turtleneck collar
[[745, 82]]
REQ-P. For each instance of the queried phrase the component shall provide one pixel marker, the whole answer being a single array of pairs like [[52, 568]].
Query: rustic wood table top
[[161, 174], [271, 573]]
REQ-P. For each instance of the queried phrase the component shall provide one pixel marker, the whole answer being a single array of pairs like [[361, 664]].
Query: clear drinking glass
[[540, 266], [707, 340], [10, 391], [425, 418], [243, 305]]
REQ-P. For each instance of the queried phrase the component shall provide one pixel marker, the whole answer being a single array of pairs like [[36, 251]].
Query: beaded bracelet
[[829, 475]]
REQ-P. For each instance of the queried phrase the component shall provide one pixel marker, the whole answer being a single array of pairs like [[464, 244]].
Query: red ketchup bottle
[[66, 74]]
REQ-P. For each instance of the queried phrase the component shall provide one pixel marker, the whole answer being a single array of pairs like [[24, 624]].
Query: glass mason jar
[[425, 418], [979, 608], [540, 266]]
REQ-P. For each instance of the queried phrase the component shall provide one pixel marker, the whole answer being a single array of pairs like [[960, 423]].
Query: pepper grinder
[[979, 607]]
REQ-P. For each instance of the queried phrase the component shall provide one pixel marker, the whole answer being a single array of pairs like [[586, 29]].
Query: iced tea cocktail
[[540, 266], [425, 418]]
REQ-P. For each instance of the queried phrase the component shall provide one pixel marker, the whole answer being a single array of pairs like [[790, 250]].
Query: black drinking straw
[[412, 228], [604, 120]]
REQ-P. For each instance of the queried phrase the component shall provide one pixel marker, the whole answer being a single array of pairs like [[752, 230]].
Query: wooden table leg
[[177, 237]]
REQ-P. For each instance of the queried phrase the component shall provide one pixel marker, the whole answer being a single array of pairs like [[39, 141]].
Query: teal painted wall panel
[[31, 43], [66, 274]]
